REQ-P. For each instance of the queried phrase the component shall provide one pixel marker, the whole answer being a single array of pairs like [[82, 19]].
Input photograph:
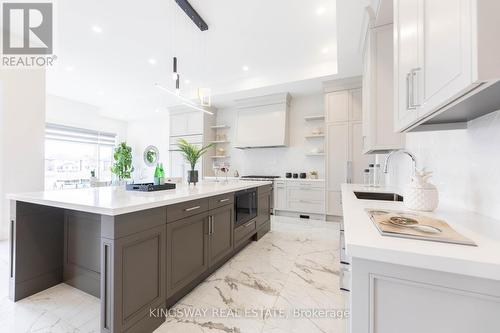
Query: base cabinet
[[263, 207], [187, 251], [221, 240]]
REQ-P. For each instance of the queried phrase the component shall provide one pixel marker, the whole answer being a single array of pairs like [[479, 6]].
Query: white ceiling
[[281, 42]]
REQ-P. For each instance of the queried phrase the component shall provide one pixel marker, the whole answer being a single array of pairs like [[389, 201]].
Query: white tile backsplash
[[466, 164]]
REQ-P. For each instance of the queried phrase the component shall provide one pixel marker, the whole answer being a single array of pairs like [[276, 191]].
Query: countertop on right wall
[[363, 240]]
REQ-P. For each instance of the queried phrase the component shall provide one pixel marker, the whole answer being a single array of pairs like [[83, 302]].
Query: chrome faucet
[[404, 151]]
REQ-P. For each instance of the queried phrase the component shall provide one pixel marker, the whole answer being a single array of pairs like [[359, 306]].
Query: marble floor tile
[[271, 286]]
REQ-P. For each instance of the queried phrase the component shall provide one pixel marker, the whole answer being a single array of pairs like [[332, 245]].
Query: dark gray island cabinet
[[135, 262]]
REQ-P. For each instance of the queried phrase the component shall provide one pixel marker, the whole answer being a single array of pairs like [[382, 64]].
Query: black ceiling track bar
[[193, 15]]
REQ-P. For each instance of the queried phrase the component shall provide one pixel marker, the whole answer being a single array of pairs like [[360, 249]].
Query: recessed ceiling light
[[324, 50], [245, 68], [70, 68], [320, 11], [97, 29], [152, 61], [187, 81]]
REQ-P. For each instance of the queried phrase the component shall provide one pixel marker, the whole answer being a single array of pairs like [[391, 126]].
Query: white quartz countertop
[[363, 240], [116, 200]]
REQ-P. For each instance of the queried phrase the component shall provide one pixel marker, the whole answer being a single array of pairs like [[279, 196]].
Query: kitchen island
[[136, 251]]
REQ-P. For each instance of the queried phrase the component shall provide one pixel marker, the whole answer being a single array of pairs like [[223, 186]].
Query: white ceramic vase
[[420, 194]]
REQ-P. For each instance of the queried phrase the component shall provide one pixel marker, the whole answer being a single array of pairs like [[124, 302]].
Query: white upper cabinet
[[337, 106], [378, 101], [445, 57], [446, 61], [406, 23]]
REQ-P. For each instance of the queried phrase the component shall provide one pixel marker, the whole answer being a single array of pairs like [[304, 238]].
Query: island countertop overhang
[[113, 201]]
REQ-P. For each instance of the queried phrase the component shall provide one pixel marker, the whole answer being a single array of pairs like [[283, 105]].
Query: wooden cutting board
[[381, 219]]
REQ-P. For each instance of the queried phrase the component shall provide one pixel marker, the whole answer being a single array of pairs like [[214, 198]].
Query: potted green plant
[[192, 154], [122, 167]]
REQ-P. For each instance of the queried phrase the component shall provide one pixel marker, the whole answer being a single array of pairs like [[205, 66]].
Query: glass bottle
[[366, 177], [376, 175], [371, 169]]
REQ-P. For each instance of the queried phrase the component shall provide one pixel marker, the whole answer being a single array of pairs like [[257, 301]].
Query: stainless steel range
[[259, 178]]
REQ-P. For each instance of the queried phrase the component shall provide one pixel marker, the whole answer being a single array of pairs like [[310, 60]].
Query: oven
[[245, 206]]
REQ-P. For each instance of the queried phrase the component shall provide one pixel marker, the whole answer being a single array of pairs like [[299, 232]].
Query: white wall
[[465, 163], [142, 133], [67, 112], [22, 130], [278, 161]]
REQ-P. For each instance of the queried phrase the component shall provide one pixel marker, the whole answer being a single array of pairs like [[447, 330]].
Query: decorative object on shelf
[[236, 174], [122, 167], [303, 175], [317, 131], [221, 152], [295, 175], [313, 174], [192, 154], [151, 155], [288, 175], [420, 194]]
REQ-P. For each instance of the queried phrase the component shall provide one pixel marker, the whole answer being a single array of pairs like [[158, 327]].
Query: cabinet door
[[334, 203], [187, 251], [368, 92], [378, 120], [280, 196], [445, 52], [178, 124], [263, 208], [337, 155], [337, 106], [194, 122], [359, 161], [406, 51], [355, 105], [221, 237]]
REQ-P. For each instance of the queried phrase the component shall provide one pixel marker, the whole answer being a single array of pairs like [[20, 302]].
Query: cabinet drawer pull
[[306, 202], [192, 208], [248, 224], [224, 200]]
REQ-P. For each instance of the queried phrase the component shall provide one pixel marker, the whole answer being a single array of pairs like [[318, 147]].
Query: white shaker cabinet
[[345, 161], [406, 29], [445, 53], [379, 135]]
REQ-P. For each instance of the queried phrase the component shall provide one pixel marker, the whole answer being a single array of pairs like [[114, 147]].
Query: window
[[73, 154]]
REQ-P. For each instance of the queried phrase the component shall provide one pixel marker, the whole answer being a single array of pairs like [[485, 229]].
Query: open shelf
[[312, 136], [216, 157], [314, 117], [315, 154], [220, 126], [220, 141]]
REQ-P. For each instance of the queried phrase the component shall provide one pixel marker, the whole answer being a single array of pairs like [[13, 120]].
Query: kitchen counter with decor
[[390, 281], [115, 200], [363, 240], [136, 251]]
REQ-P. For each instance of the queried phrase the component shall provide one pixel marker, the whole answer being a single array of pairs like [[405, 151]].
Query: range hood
[[262, 122]]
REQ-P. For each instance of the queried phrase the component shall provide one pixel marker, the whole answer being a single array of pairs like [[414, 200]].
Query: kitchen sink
[[378, 196]]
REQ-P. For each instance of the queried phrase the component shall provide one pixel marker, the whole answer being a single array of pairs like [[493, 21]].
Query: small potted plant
[[192, 154], [122, 167]]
